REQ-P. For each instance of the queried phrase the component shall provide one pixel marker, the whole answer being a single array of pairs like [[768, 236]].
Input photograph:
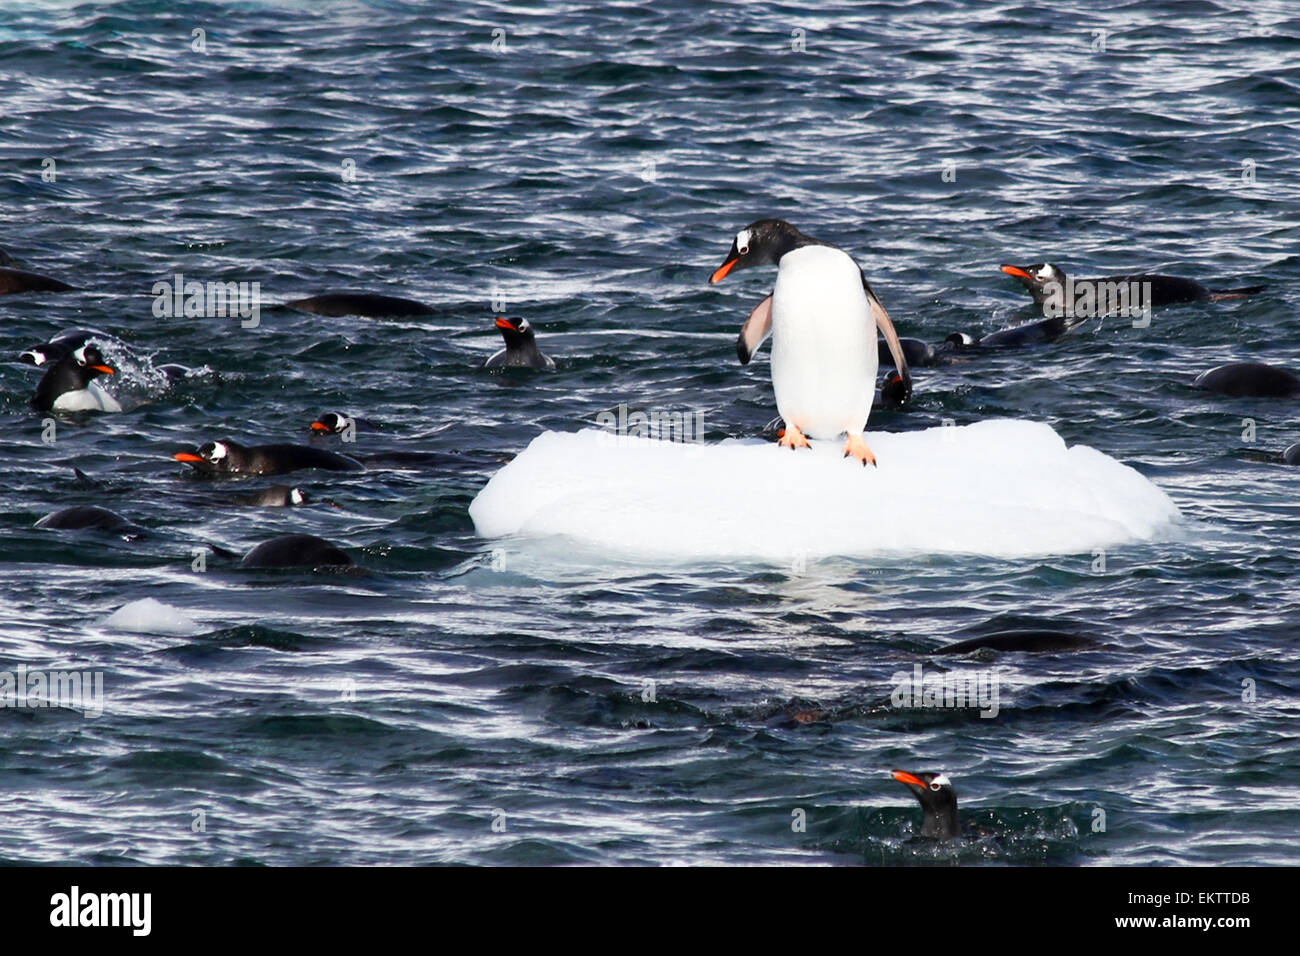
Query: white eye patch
[[940, 781], [80, 355], [1045, 272], [742, 241], [523, 325], [219, 451], [295, 497]]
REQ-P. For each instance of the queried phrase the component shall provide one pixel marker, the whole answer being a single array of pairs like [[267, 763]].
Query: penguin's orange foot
[[791, 437], [856, 447]]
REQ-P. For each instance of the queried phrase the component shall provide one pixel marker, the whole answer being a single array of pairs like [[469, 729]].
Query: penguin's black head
[[960, 340], [938, 802], [41, 354], [515, 331], [761, 243], [331, 423], [213, 454], [1037, 277], [92, 360]]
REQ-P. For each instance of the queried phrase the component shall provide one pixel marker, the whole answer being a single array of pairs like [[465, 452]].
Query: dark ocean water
[[592, 174]]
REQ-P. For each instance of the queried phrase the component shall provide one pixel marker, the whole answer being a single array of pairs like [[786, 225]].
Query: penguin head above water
[[59, 346], [332, 423], [66, 384], [938, 802], [515, 331], [211, 456], [761, 243], [92, 360], [521, 349], [42, 354], [1040, 278]]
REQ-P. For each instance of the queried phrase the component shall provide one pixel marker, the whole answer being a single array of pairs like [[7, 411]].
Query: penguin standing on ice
[[823, 318]]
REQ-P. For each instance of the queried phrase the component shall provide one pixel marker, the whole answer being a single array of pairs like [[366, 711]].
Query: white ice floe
[[148, 616], [1004, 488]]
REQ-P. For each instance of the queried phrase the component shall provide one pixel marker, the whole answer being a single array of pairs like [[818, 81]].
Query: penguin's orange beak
[[186, 456], [505, 324], [723, 270], [1017, 272], [106, 369], [319, 427], [903, 776]]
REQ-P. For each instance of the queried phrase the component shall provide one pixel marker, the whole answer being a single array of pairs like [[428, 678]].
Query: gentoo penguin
[[1029, 333], [85, 516], [1044, 280], [68, 385], [16, 280], [938, 803], [338, 423], [59, 346], [823, 318], [1249, 379], [521, 349], [917, 353], [295, 551], [365, 304], [226, 457], [277, 496]]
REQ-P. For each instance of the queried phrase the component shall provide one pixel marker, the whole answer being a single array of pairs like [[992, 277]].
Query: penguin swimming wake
[[68, 385], [226, 457], [1050, 287], [823, 318], [521, 349], [938, 803]]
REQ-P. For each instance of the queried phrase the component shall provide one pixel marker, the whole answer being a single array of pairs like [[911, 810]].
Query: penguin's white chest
[[824, 354], [92, 398]]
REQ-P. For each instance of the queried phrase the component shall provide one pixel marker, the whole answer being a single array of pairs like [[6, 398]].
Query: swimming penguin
[[1047, 283], [917, 353], [365, 304], [59, 346], [823, 318], [938, 803], [295, 551], [1251, 380], [277, 496], [521, 349], [17, 280], [68, 385], [1029, 333], [226, 457], [83, 517], [334, 423]]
